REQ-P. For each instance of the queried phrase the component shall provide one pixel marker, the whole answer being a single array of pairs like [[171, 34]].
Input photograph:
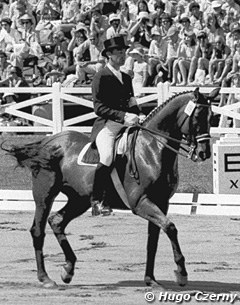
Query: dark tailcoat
[[111, 98]]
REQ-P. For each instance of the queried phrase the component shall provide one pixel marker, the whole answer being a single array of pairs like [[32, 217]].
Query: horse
[[148, 172]]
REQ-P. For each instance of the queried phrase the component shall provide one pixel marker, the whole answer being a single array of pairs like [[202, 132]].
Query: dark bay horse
[[154, 154]]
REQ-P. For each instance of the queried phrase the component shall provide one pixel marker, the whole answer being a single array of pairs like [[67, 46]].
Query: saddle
[[91, 155]]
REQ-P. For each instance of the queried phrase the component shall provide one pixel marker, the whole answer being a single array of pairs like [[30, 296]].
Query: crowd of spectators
[[183, 42]]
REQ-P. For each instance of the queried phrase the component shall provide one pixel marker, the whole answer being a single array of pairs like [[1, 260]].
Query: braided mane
[[160, 107]]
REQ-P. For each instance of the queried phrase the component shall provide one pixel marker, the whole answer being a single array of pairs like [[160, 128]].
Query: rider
[[115, 106]]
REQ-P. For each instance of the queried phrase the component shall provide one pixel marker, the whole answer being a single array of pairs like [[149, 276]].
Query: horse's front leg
[[150, 211]]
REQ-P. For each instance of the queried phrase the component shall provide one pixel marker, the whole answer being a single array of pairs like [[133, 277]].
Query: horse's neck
[[164, 119]]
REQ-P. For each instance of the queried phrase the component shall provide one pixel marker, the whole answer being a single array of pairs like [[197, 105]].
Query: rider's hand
[[130, 119], [141, 118]]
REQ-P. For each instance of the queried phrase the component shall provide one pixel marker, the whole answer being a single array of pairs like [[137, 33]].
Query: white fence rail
[[57, 96], [53, 99], [180, 203]]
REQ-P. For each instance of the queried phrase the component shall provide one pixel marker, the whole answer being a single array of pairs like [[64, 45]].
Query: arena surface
[[111, 260]]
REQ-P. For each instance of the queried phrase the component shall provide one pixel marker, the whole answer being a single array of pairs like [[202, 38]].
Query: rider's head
[[115, 51]]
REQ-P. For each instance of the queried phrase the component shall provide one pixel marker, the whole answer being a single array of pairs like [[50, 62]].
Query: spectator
[[62, 58], [186, 51], [166, 23], [115, 26], [140, 70], [69, 11], [157, 55], [185, 25], [16, 79], [8, 36], [141, 31], [232, 10], [21, 9], [218, 59], [124, 15], [213, 28], [159, 8], [218, 12], [96, 62], [111, 7], [99, 23], [4, 66], [53, 76], [173, 44], [200, 62], [29, 49], [79, 35], [196, 17], [179, 11]]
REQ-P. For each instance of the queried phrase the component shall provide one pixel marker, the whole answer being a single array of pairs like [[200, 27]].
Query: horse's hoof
[[182, 280], [65, 276], [49, 284], [151, 282]]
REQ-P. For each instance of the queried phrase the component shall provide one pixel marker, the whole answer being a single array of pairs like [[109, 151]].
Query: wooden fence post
[[163, 92], [57, 108]]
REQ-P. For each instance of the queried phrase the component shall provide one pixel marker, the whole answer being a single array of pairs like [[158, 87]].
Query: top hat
[[117, 42]]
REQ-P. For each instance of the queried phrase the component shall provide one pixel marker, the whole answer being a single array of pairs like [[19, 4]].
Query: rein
[[133, 171], [132, 164]]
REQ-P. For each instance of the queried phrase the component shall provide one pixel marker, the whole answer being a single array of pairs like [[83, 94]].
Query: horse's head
[[196, 124]]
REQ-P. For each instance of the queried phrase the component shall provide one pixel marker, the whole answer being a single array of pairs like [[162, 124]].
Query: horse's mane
[[160, 107]]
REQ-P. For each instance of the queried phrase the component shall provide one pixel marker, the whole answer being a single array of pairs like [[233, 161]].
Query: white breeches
[[105, 141]]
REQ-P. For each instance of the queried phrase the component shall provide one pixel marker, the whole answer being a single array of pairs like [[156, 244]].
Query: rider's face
[[117, 57]]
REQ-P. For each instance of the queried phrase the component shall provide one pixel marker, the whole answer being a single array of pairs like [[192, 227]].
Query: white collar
[[117, 73]]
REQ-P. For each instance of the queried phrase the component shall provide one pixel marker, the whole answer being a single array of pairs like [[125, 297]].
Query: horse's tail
[[36, 156]]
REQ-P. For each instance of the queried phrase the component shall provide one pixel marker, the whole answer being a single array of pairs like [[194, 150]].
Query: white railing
[[56, 97]]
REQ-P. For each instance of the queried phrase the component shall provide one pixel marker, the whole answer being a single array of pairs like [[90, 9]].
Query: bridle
[[188, 144]]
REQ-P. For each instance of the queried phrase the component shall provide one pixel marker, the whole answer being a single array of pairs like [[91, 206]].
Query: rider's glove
[[130, 119], [141, 118]]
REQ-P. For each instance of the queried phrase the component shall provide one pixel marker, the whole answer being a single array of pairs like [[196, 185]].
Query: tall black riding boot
[[102, 175]]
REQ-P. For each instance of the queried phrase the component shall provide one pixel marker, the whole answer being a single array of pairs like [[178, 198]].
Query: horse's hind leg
[[150, 211], [44, 194], [58, 222]]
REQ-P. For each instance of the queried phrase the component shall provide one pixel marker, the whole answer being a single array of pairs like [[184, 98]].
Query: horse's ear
[[214, 93], [196, 93]]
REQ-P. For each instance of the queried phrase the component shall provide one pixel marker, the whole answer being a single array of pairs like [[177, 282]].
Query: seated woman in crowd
[[186, 51], [185, 25], [62, 57], [114, 26], [79, 35], [140, 70], [157, 55], [216, 65], [141, 30], [166, 23], [29, 49], [200, 62], [96, 62], [173, 45], [213, 29]]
